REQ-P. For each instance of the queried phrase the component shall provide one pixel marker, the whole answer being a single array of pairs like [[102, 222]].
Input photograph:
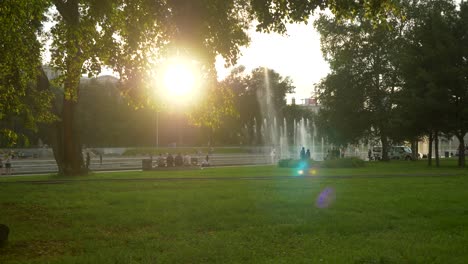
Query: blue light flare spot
[[325, 198]]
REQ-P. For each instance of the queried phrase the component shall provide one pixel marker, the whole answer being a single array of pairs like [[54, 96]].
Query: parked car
[[27, 154]]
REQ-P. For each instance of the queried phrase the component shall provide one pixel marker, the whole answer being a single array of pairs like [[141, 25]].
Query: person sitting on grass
[[179, 162], [206, 162], [161, 162], [170, 160], [186, 159]]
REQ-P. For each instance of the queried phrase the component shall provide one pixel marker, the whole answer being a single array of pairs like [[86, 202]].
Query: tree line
[[403, 78]]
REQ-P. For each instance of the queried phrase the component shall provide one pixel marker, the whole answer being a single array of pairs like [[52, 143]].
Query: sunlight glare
[[179, 80]]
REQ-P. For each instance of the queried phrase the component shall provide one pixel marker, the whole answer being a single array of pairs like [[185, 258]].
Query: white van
[[394, 152], [400, 152]]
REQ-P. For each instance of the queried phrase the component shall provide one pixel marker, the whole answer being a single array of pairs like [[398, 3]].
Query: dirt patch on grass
[[34, 249], [29, 212]]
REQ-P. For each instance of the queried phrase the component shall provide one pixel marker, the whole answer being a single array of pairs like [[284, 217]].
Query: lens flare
[[300, 172], [313, 172], [325, 198]]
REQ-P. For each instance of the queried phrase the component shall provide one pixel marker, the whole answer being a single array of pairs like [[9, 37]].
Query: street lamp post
[[157, 129]]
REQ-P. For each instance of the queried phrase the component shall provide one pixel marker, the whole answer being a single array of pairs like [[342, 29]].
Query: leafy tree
[[24, 99], [358, 95], [257, 96], [434, 70]]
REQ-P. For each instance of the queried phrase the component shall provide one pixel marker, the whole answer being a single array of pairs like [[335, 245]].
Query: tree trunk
[[429, 155], [461, 150], [436, 148], [384, 140], [72, 161]]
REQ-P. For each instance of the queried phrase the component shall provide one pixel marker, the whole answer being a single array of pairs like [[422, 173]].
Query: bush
[[335, 163], [343, 163], [292, 163]]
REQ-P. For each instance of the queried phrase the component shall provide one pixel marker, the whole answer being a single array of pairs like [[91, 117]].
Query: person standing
[[369, 155], [8, 165], [100, 159], [303, 153], [273, 156], [1, 166], [88, 160], [308, 154]]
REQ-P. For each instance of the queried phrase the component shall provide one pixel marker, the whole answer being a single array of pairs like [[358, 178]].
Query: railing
[[41, 166]]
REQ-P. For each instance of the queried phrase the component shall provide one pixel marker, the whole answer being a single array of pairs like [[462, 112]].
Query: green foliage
[[332, 163], [24, 102], [294, 163], [358, 95], [434, 69], [253, 102]]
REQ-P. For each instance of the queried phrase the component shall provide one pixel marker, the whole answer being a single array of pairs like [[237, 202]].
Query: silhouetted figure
[[303, 153], [273, 156], [206, 162], [100, 159], [179, 161], [369, 155], [88, 160], [308, 154], [170, 160], [8, 165], [161, 162]]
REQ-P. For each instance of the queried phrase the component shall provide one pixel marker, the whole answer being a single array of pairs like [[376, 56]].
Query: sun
[[179, 79]]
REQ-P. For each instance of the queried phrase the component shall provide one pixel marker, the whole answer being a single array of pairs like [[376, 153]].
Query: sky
[[296, 55]]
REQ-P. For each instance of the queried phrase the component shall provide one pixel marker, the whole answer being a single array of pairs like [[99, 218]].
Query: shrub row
[[334, 163]]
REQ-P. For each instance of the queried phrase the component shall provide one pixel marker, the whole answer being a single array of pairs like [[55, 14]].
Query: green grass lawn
[[394, 219]]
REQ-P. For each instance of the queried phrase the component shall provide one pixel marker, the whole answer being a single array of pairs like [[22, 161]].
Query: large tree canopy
[[358, 94], [434, 69]]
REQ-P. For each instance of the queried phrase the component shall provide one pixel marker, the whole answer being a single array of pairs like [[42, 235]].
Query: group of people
[[305, 155], [173, 161], [7, 164]]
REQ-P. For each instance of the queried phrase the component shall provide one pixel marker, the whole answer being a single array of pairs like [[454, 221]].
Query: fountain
[[275, 134]]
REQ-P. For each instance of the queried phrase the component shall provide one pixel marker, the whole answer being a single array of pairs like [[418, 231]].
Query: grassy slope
[[373, 220]]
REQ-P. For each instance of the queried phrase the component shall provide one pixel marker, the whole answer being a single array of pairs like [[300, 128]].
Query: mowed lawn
[[394, 218]]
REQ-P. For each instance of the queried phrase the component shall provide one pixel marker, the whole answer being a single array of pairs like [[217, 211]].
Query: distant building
[[310, 103]]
